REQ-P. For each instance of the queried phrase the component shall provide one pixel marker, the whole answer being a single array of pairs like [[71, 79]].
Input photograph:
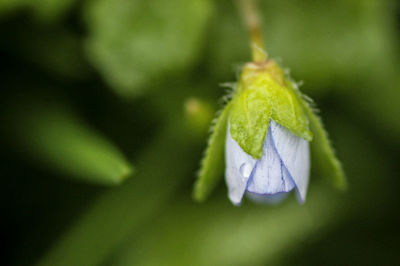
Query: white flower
[[284, 165]]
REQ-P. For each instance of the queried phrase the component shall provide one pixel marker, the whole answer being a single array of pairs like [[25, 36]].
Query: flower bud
[[269, 129]]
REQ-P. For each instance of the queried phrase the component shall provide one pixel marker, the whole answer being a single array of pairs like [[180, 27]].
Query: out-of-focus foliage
[[58, 138], [44, 10], [95, 55], [198, 116], [135, 43]]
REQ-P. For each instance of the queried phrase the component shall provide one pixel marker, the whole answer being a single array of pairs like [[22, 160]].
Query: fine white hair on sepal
[[229, 85], [295, 155], [237, 68], [299, 83], [239, 167], [286, 70], [230, 89]]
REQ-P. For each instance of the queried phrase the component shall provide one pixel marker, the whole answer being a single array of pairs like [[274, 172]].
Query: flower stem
[[253, 23]]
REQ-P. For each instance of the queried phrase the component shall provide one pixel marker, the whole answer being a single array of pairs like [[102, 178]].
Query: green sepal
[[249, 119], [287, 111], [212, 165], [322, 152], [263, 94]]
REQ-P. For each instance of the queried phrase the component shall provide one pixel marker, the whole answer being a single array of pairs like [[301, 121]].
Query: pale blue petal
[[267, 199], [295, 154], [270, 175], [239, 166]]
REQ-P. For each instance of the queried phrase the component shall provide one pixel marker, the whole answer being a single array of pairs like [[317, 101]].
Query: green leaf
[[212, 165], [135, 43], [323, 154], [57, 139], [249, 119]]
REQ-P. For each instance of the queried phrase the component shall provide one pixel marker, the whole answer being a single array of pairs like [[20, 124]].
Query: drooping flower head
[[264, 133], [267, 149]]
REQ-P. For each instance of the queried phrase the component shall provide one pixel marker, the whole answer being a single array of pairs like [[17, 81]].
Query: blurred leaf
[[57, 138], [135, 43], [116, 213], [45, 10], [212, 165]]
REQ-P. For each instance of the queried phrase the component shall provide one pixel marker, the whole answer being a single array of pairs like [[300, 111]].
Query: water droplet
[[245, 170]]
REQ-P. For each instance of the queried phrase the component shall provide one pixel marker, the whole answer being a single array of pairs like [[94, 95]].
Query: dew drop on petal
[[245, 170]]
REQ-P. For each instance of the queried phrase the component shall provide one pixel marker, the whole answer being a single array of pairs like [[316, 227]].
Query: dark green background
[[126, 71]]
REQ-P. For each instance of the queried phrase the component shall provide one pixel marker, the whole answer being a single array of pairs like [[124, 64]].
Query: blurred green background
[[105, 108]]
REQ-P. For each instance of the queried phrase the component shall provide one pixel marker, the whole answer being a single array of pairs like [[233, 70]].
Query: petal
[[239, 166], [270, 175], [295, 155]]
